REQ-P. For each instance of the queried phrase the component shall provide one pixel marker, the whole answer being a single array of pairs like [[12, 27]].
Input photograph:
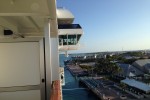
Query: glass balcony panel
[[69, 26]]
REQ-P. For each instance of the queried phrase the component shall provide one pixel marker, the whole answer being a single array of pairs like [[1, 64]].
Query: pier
[[104, 89], [76, 70]]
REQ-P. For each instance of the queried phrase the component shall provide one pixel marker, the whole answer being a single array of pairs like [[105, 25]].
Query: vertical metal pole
[[76, 40], [67, 39], [42, 70], [67, 43], [47, 50]]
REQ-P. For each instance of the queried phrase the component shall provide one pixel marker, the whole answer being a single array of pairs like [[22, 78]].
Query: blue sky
[[111, 25]]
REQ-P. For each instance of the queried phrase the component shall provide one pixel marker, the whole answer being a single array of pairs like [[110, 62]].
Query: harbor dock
[[104, 89], [76, 70]]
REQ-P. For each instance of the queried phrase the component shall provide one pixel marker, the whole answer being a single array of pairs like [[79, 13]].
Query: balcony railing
[[69, 47], [70, 29], [56, 93]]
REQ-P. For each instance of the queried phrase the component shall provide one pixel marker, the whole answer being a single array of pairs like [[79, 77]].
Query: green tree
[[107, 67]]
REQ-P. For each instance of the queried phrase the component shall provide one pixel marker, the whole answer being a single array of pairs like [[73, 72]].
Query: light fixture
[[8, 32]]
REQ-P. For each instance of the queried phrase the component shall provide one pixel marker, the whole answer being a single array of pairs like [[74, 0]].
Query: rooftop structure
[[136, 84], [143, 65], [129, 70], [142, 62]]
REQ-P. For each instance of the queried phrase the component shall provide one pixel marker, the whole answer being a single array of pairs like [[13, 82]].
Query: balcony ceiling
[[27, 17]]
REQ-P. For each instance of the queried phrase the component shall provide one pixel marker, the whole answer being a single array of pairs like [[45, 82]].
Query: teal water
[[72, 90]]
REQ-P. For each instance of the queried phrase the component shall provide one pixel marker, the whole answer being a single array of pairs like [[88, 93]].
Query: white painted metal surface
[[48, 59], [27, 17], [62, 76], [21, 95], [32, 19], [54, 58], [51, 58], [69, 47], [19, 64], [70, 31]]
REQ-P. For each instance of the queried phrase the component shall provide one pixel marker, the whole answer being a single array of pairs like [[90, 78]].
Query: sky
[[111, 25]]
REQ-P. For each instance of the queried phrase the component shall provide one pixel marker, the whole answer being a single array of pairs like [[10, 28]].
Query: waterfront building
[[143, 65], [128, 70], [137, 86]]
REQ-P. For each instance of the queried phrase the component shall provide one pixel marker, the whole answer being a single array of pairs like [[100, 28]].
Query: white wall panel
[[21, 95], [19, 64]]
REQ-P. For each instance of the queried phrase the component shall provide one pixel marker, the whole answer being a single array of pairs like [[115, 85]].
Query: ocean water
[[72, 90]]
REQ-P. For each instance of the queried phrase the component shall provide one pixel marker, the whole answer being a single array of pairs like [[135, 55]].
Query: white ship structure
[[32, 32]]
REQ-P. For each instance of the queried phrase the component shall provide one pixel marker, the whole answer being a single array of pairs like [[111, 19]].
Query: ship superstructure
[[29, 50], [69, 33]]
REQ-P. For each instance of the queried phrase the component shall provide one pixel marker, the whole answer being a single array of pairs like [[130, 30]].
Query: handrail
[[56, 93]]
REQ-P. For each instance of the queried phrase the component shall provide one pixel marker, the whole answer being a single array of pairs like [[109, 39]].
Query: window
[[70, 40], [62, 39]]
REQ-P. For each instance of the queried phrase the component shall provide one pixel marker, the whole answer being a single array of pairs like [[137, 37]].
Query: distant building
[[129, 70], [137, 86], [143, 65], [147, 67], [131, 57], [128, 57]]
